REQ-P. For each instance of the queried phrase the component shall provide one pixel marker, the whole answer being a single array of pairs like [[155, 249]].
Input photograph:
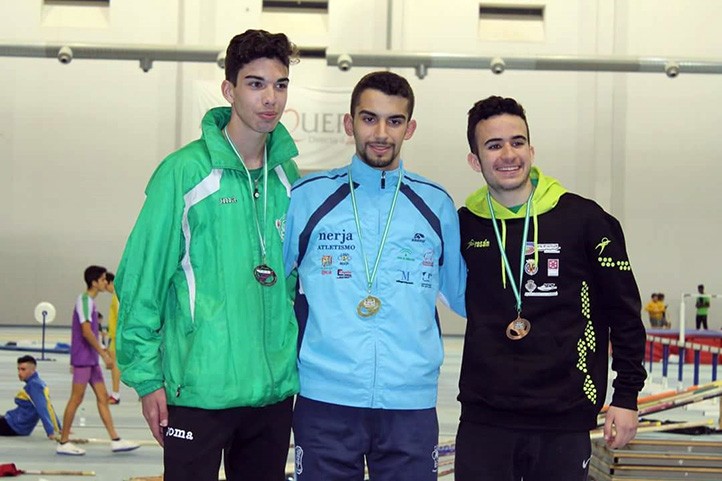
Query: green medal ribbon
[[263, 273], [370, 305], [517, 290]]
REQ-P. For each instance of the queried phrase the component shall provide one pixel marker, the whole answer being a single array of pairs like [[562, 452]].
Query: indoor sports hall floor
[[36, 452]]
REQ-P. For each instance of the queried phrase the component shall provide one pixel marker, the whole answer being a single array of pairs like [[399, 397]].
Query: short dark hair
[[491, 107], [109, 276], [92, 274], [27, 358], [701, 286], [254, 44], [388, 83]]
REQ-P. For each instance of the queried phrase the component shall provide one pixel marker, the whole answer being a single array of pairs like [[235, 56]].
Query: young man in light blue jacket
[[374, 246]]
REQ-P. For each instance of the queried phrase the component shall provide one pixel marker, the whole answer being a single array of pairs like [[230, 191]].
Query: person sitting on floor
[[32, 405]]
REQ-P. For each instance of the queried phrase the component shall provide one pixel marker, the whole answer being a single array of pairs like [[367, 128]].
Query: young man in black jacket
[[549, 287]]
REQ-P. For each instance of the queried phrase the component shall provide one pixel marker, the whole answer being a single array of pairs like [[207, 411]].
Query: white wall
[[673, 205], [76, 146], [78, 142]]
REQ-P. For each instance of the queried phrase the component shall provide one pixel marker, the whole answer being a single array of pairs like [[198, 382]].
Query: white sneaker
[[69, 449], [121, 445]]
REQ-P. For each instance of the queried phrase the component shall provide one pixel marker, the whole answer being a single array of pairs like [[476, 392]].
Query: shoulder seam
[[434, 185], [303, 182]]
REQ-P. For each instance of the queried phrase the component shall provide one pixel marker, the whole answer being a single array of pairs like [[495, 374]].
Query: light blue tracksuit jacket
[[390, 360]]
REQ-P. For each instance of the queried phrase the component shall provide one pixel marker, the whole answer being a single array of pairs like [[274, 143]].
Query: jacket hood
[[279, 144], [546, 195]]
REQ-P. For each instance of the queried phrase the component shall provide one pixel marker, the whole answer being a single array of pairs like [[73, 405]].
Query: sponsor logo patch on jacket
[[477, 244], [404, 277], [531, 267]]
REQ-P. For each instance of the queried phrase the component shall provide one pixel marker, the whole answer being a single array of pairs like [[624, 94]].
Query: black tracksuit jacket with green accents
[[579, 294]]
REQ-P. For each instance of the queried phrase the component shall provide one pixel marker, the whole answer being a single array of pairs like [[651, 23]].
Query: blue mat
[[59, 348]]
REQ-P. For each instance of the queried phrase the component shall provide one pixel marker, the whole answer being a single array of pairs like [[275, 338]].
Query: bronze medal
[[265, 275], [518, 328], [368, 306]]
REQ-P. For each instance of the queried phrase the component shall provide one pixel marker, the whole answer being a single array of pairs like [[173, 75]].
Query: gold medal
[[368, 306], [518, 328]]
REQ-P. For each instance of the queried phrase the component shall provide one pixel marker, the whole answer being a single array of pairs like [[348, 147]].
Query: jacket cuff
[[626, 400], [148, 387]]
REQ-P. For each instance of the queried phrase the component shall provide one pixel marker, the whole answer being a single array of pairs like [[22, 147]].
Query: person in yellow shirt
[[114, 397], [656, 309]]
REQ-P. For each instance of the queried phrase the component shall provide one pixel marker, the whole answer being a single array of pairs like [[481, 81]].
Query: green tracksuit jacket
[[192, 316]]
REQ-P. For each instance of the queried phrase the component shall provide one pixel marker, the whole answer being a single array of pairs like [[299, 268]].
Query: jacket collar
[[370, 177], [279, 144]]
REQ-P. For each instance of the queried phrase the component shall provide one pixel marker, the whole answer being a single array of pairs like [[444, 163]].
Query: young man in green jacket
[[206, 331]]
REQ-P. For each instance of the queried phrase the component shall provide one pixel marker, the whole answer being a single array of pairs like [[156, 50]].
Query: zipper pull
[[383, 179], [177, 391]]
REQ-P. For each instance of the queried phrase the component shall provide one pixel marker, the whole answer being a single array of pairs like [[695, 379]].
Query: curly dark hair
[[253, 44], [490, 107]]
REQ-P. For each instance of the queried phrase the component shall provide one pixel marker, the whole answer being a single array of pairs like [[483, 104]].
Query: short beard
[[376, 162]]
